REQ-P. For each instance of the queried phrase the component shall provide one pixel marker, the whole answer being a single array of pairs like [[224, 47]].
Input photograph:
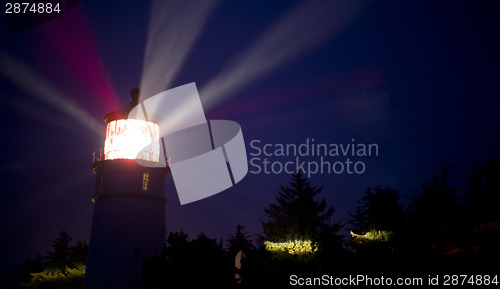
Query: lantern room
[[132, 139]]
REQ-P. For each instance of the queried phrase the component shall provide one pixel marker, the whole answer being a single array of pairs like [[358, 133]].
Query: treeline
[[441, 230], [61, 267]]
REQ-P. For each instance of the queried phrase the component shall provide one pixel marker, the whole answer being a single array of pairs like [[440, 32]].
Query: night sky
[[418, 78]]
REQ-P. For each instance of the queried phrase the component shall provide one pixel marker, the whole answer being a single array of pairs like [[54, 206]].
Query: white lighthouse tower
[[128, 223]]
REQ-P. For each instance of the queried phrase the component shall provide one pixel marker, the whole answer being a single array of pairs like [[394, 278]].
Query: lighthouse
[[128, 222]]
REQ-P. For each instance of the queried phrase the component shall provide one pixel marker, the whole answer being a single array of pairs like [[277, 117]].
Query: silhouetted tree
[[483, 195], [30, 266], [62, 254], [174, 259], [239, 241], [79, 253], [177, 245], [296, 214], [299, 236], [64, 266], [378, 209], [481, 213], [211, 267], [436, 205], [177, 239], [434, 214], [201, 262], [377, 219]]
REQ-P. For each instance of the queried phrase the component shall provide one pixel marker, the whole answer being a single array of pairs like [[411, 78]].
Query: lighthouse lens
[[132, 139]]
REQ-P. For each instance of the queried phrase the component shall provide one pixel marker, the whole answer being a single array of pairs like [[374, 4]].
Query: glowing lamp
[[132, 139]]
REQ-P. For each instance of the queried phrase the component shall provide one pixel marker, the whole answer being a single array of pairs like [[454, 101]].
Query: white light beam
[[31, 82], [308, 24], [173, 29]]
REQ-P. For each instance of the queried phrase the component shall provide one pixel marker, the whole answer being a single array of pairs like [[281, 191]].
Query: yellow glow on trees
[[373, 235], [67, 278], [291, 247]]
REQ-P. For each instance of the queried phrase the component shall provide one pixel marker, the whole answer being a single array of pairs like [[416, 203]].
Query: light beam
[[173, 29], [33, 83], [34, 110], [71, 40], [307, 25]]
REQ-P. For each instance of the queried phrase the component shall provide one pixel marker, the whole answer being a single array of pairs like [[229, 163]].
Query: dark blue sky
[[420, 79]]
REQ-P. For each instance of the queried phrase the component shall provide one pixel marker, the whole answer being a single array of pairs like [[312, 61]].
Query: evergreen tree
[[481, 213], [483, 197], [62, 254], [433, 216], [377, 221], [30, 266], [239, 241], [296, 214], [177, 243], [79, 253], [436, 205], [209, 263], [64, 266], [378, 209], [198, 263]]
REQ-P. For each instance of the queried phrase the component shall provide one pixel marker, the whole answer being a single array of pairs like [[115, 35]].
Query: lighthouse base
[[128, 224]]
